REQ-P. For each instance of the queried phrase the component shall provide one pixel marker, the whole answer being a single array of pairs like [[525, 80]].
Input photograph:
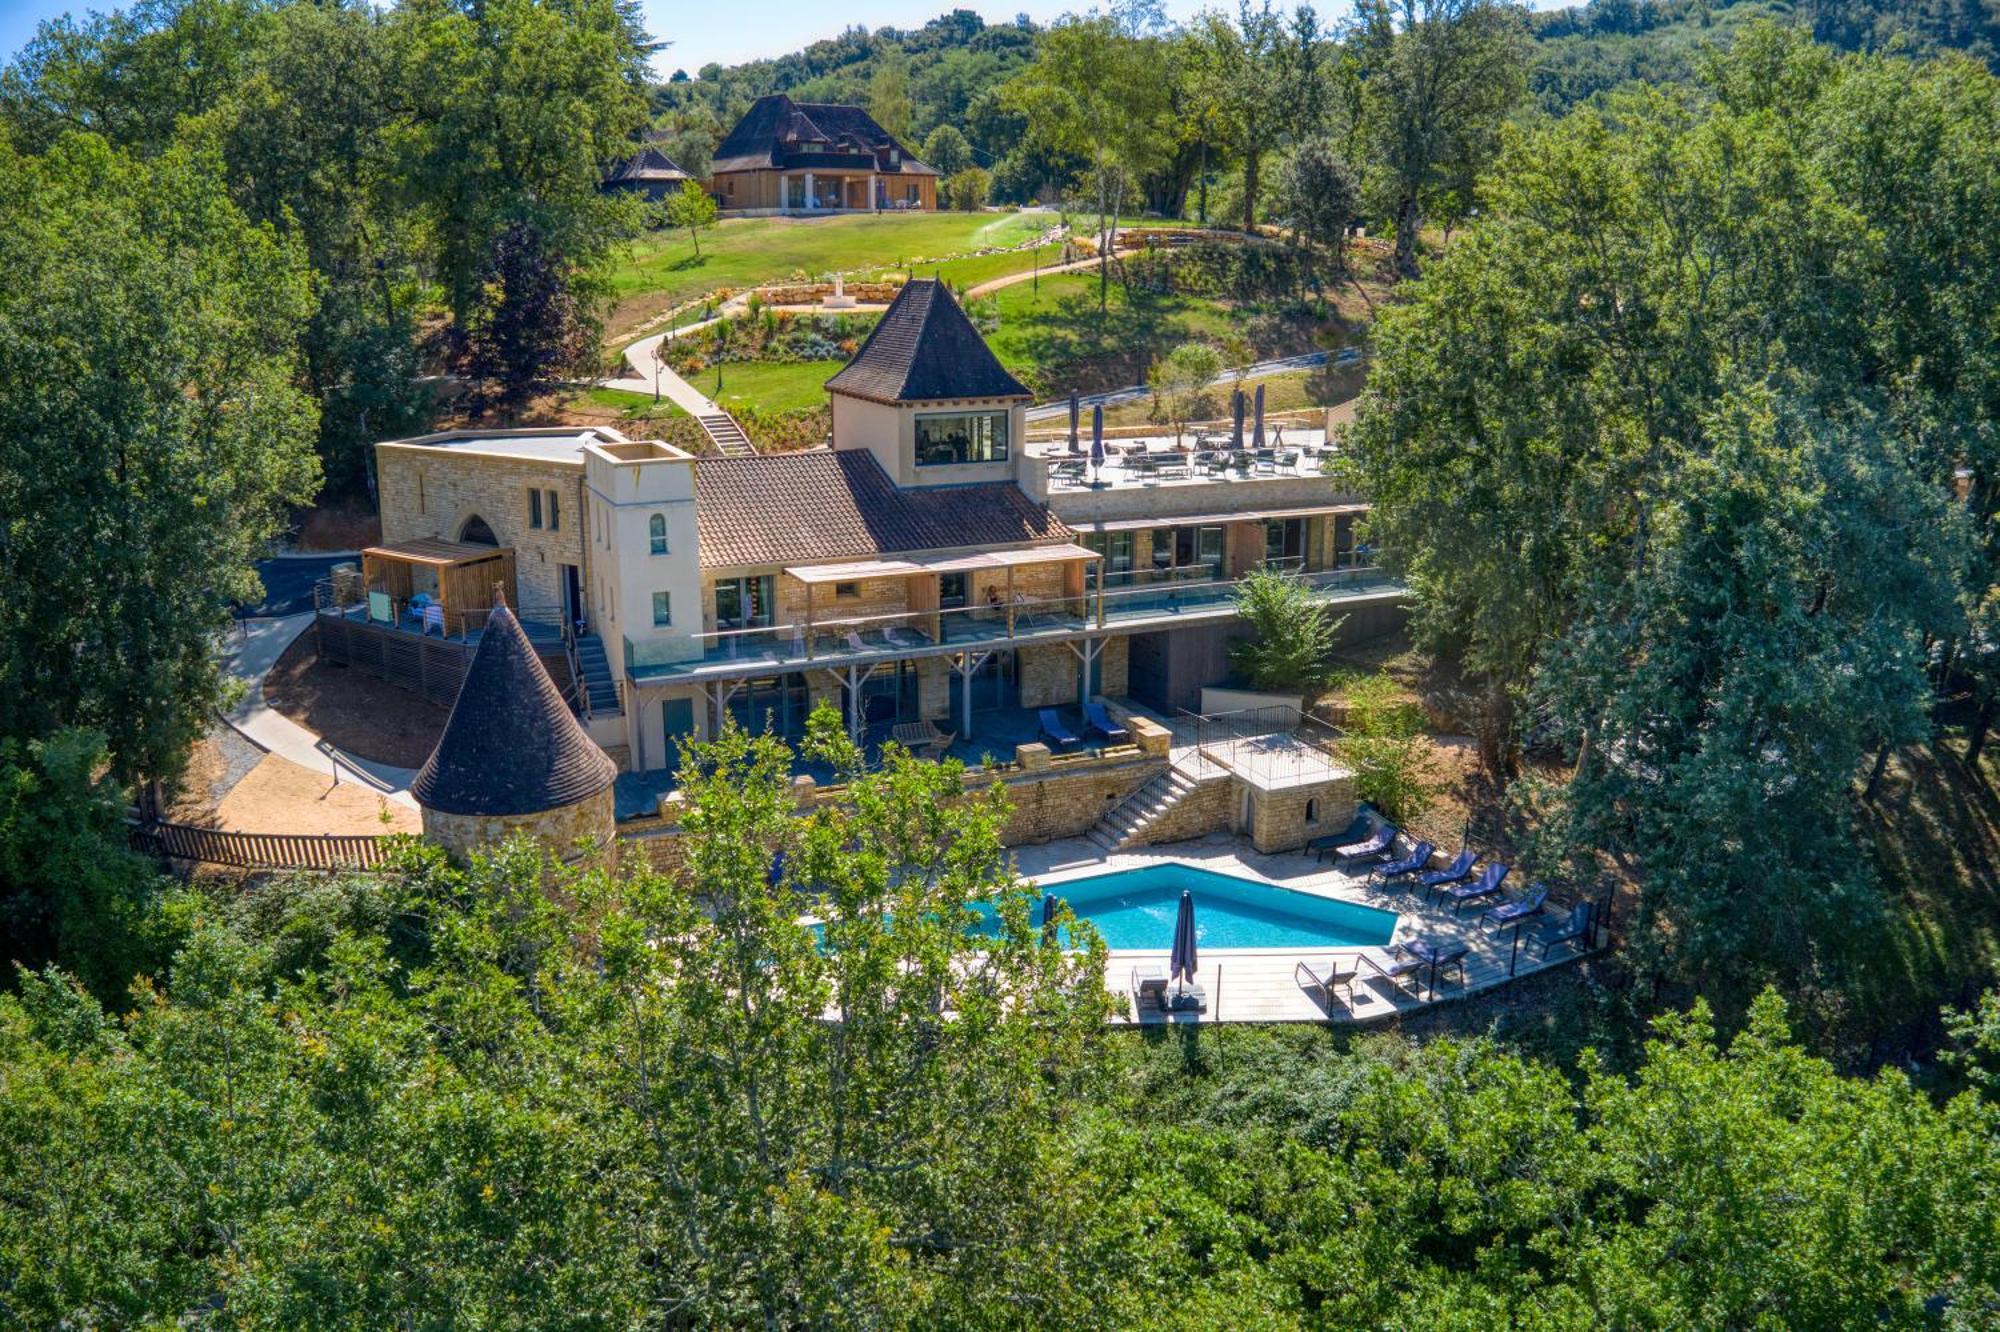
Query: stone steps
[[598, 684], [1126, 824], [726, 435]]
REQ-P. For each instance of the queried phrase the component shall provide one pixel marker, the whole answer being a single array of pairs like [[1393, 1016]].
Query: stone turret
[[513, 758]]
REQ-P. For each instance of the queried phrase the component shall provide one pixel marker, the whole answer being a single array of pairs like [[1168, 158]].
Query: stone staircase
[[598, 686], [1126, 823], [727, 436]]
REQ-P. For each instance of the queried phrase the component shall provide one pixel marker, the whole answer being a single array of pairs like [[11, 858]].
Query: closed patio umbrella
[[1048, 917], [1181, 966], [1236, 413], [1075, 416], [1096, 437], [1257, 439]]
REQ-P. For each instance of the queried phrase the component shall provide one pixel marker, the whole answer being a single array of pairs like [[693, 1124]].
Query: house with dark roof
[[816, 157], [649, 173], [928, 569]]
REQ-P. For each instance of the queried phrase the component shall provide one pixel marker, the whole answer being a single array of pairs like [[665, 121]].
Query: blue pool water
[[1136, 908]]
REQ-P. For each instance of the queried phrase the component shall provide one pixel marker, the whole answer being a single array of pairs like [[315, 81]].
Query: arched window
[[477, 533], [1312, 811], [656, 528]]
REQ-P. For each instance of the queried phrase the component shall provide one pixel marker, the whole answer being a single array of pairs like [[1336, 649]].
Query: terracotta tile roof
[[784, 508], [924, 349], [511, 746]]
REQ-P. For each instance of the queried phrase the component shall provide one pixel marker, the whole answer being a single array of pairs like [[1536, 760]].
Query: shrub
[[1292, 635], [1387, 745]]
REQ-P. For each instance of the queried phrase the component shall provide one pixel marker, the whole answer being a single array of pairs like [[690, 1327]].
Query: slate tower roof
[[511, 746], [925, 348]]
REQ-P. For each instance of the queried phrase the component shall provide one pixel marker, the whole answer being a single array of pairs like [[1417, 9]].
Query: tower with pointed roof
[[928, 397], [513, 758]]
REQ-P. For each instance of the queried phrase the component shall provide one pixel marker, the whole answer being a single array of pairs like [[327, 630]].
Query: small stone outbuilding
[[514, 759]]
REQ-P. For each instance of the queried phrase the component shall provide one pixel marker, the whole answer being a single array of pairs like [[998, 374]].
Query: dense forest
[[1681, 423]]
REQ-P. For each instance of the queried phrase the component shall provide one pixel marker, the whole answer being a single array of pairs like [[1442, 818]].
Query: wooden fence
[[214, 846]]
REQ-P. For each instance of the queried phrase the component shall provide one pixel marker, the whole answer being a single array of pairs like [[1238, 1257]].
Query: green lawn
[[977, 268], [661, 269], [1058, 341], [770, 386], [630, 405]]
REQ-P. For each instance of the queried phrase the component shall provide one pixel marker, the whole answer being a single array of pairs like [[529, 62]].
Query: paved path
[[250, 658], [289, 579], [1135, 392]]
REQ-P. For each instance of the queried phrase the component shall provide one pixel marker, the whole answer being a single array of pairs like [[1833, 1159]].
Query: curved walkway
[[249, 659]]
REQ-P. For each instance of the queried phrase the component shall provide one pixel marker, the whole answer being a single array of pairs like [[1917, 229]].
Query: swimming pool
[[1135, 909]]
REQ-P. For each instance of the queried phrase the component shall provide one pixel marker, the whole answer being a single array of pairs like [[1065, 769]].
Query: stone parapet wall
[[1065, 798]]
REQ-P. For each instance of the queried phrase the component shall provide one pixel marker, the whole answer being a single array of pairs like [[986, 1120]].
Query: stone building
[[930, 569], [513, 758]]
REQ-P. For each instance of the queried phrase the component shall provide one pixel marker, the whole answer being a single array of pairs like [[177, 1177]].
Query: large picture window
[[961, 437]]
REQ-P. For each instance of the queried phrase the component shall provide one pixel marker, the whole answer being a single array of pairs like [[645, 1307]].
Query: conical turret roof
[[512, 746], [925, 349]]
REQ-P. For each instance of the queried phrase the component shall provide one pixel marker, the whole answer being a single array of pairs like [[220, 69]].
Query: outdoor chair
[[1288, 457], [1212, 464], [1399, 969], [1382, 844], [1356, 826], [1509, 913], [1098, 718], [1266, 461], [1336, 973], [1419, 857], [903, 638], [1457, 872], [1068, 471], [855, 642], [1437, 958], [1487, 884], [1149, 985], [1055, 730], [1578, 925]]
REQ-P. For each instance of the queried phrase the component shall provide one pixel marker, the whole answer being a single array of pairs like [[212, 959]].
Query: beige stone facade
[[1286, 820], [432, 492], [574, 831]]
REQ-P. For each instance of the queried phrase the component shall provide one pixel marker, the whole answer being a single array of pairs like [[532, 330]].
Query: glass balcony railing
[[1162, 594]]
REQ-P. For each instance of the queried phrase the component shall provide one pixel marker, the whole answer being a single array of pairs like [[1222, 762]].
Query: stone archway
[[475, 531]]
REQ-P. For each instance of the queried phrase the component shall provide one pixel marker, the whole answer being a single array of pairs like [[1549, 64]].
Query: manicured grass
[[633, 406], [770, 386], [662, 269], [975, 269], [1057, 339]]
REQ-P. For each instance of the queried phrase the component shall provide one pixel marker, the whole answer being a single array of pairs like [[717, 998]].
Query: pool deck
[[1262, 985]]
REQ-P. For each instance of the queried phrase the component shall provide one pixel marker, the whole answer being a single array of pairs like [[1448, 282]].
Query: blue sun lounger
[[1457, 872], [1487, 884], [1408, 865], [1098, 718], [1055, 731], [1509, 913]]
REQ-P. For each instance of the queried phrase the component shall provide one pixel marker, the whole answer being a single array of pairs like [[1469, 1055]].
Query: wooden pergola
[[469, 577]]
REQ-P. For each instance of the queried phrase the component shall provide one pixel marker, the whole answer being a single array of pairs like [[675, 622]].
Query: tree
[[152, 435], [1098, 94], [1291, 640], [889, 91], [1239, 69], [946, 151], [1442, 76], [1385, 742], [694, 208], [529, 334], [1655, 511], [1182, 378], [967, 190], [1321, 201]]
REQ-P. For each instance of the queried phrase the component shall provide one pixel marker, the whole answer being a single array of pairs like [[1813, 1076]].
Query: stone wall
[[462, 834], [1063, 798], [1114, 666], [430, 492], [1048, 675], [1278, 819]]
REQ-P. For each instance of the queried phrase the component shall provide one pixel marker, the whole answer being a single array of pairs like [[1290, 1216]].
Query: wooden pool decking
[[1263, 985]]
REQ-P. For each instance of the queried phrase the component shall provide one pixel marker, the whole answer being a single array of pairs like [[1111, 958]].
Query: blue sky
[[700, 30], [704, 30]]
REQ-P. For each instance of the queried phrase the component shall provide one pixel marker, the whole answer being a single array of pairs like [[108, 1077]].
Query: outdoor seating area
[[1437, 954], [1189, 459]]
